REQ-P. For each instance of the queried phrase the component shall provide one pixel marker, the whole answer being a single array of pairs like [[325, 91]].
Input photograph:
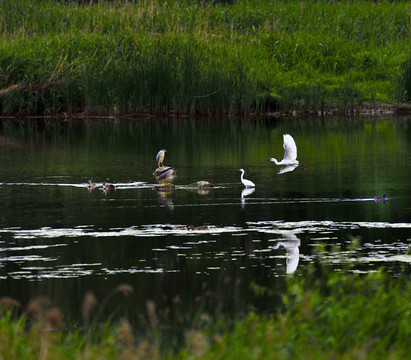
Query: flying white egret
[[160, 157], [288, 168], [290, 152], [246, 183]]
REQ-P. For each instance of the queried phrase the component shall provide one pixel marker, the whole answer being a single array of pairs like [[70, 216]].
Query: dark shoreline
[[373, 111]]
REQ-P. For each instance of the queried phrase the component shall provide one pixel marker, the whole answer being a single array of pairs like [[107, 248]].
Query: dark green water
[[59, 239]]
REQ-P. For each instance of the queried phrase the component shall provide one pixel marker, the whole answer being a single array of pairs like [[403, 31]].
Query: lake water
[[59, 239]]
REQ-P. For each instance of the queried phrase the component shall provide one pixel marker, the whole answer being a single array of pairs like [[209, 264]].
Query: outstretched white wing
[[287, 168], [290, 149]]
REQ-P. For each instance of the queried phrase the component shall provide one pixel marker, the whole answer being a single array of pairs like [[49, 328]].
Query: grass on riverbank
[[325, 314], [194, 56]]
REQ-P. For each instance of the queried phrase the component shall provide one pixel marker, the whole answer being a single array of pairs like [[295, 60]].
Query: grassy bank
[[328, 315], [201, 56]]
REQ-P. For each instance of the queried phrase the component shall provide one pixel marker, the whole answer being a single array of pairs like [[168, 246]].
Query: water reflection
[[244, 193], [163, 198], [291, 243]]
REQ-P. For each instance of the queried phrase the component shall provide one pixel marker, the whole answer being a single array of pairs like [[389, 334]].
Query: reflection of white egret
[[290, 152], [160, 157], [245, 192], [246, 183], [287, 168], [291, 244]]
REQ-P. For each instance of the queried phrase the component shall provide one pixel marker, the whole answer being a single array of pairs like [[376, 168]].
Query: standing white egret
[[290, 152], [160, 157], [246, 183]]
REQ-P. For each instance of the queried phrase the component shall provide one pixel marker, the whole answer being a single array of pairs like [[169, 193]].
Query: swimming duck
[[107, 188], [203, 183], [91, 185], [383, 198]]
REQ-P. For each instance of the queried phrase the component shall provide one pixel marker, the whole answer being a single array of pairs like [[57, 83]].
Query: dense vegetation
[[325, 314], [202, 56]]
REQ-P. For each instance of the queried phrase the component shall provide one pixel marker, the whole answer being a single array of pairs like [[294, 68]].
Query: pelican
[[160, 157], [167, 173], [246, 183], [290, 152]]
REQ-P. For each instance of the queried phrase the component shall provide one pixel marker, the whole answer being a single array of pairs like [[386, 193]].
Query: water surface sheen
[[59, 239]]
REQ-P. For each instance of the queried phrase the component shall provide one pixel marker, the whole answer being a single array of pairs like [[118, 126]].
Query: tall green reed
[[198, 56]]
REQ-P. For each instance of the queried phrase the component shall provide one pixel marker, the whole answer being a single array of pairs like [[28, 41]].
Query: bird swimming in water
[[107, 188], [383, 198], [290, 152], [91, 185], [203, 183], [246, 183], [160, 157]]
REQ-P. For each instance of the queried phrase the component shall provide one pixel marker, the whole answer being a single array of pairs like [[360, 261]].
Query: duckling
[[90, 185], [108, 188]]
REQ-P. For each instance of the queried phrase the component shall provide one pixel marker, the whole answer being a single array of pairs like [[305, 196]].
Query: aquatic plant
[[403, 83]]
